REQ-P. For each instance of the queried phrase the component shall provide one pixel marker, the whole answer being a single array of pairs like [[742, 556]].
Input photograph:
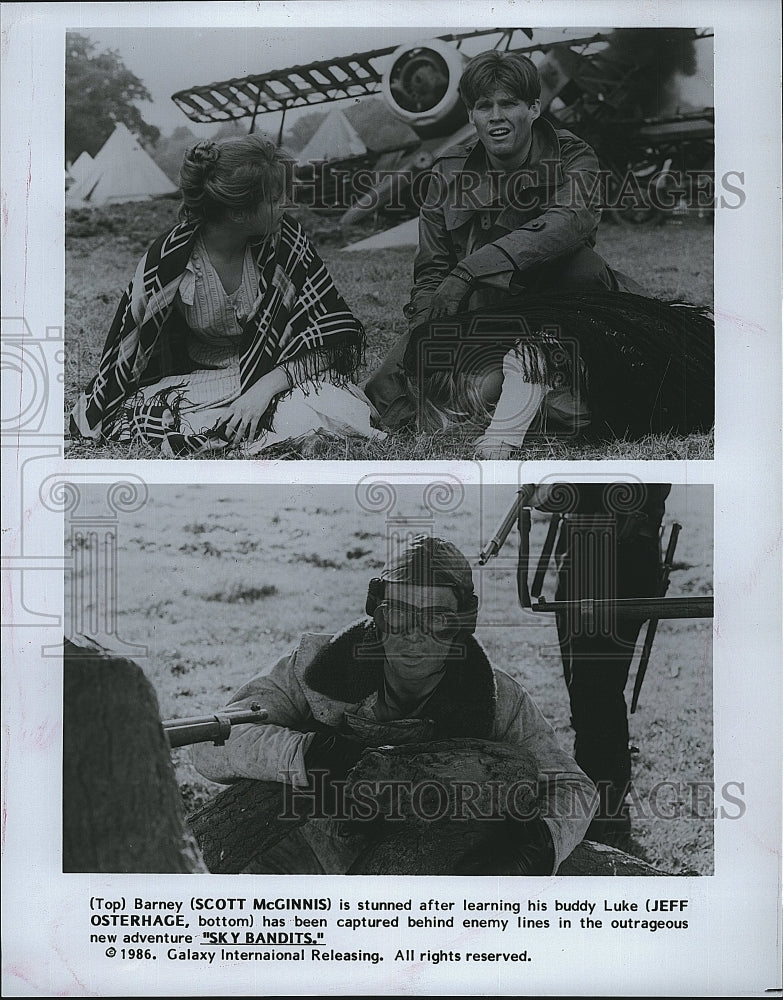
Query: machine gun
[[642, 608], [210, 728]]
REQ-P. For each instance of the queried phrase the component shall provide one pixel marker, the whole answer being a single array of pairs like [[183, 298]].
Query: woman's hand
[[244, 415]]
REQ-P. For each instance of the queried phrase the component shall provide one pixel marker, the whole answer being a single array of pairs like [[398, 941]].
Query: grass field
[[672, 261], [217, 582]]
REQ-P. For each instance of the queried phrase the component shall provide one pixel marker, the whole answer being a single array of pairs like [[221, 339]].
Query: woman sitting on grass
[[231, 330]]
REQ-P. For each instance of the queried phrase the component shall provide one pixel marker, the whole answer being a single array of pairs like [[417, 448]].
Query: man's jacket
[[333, 682], [498, 226]]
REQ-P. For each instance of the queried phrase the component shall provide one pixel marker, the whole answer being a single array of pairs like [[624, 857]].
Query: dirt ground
[[217, 582]]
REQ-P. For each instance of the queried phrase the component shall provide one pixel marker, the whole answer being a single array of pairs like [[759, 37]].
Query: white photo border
[[734, 947]]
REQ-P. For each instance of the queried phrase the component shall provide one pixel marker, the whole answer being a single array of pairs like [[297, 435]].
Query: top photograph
[[390, 243]]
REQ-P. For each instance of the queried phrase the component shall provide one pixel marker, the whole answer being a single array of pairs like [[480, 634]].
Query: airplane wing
[[320, 82]]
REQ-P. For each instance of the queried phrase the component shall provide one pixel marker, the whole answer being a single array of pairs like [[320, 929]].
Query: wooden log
[[236, 827], [455, 777], [589, 858], [419, 851], [122, 809]]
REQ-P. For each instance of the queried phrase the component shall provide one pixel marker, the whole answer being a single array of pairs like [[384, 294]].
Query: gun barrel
[[652, 627], [209, 728], [639, 607], [494, 545]]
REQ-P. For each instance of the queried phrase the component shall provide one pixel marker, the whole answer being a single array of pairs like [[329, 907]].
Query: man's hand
[[449, 296], [520, 847], [332, 753]]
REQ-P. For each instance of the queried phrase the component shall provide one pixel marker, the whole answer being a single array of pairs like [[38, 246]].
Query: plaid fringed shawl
[[298, 315]]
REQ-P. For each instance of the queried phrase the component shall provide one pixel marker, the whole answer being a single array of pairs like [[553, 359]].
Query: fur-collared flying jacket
[[333, 681]]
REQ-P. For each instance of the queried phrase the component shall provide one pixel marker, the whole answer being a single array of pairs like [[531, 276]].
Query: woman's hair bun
[[205, 154]]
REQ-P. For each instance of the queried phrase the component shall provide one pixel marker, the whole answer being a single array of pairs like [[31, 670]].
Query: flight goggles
[[396, 618]]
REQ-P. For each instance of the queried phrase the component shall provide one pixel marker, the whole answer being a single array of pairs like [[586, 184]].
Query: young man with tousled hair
[[514, 209]]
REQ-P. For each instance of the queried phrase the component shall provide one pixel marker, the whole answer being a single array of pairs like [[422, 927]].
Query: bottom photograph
[[413, 677]]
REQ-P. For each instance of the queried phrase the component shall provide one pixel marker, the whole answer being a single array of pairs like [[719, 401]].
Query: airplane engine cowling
[[420, 87]]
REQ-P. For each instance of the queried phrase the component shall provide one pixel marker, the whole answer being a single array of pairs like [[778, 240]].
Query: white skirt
[[341, 410], [182, 413]]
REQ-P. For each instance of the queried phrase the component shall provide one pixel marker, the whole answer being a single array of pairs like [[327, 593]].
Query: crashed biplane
[[618, 90]]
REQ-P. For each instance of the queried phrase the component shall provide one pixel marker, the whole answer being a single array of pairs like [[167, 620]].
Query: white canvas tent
[[121, 171], [335, 139], [404, 235], [81, 166]]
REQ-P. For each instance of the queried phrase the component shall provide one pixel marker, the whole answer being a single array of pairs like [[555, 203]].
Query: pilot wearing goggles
[[412, 671]]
